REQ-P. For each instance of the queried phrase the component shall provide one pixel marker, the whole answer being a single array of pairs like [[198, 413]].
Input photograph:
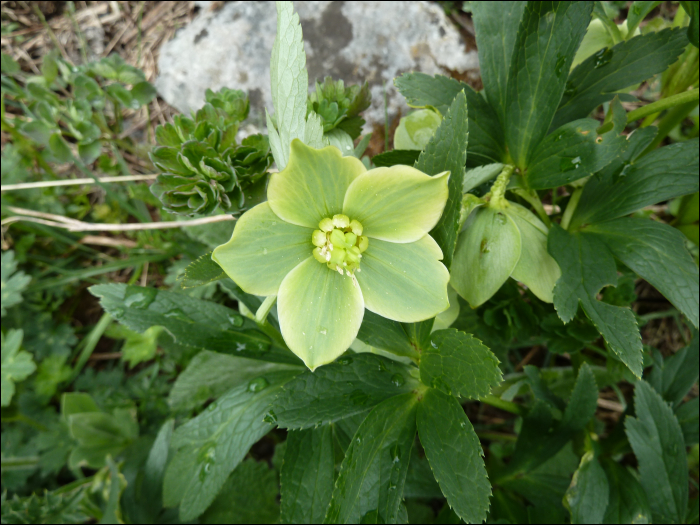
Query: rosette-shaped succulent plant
[[202, 166], [334, 239], [339, 107]]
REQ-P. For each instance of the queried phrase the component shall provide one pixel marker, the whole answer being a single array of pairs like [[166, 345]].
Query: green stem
[[507, 406], [24, 463], [664, 103], [674, 117], [571, 208], [534, 200], [264, 309], [498, 190], [91, 341]]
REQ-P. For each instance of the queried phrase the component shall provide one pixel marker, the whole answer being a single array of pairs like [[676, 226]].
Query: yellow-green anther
[[350, 239], [318, 238], [356, 227], [318, 256], [363, 244], [337, 256], [326, 225], [338, 238], [341, 221]]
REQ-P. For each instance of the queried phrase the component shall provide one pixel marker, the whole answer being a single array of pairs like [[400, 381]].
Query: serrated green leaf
[[627, 502], [485, 133], [12, 282], [447, 151], [307, 475], [657, 253], [477, 176], [351, 385], [574, 151], [665, 173], [541, 437], [248, 496], [212, 445], [687, 415], [455, 455], [459, 365], [693, 28], [657, 441], [587, 496], [289, 82], [544, 49], [387, 159], [587, 266], [496, 25], [192, 322], [597, 79], [369, 488], [17, 364], [210, 374], [55, 507], [201, 271]]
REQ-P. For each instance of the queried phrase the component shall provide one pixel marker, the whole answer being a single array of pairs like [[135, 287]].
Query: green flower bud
[[350, 239], [318, 238], [341, 221], [356, 227], [326, 225], [363, 244]]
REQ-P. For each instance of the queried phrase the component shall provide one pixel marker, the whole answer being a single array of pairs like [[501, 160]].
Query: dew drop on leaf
[[235, 320], [178, 314], [118, 313], [439, 384], [270, 417], [139, 297], [395, 453], [570, 90], [559, 66], [397, 380], [344, 361], [212, 407], [258, 384], [602, 57]]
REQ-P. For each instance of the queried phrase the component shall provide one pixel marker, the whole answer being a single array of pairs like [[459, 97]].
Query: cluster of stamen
[[339, 243]]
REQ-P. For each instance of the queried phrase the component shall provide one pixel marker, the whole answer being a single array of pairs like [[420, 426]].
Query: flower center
[[339, 243]]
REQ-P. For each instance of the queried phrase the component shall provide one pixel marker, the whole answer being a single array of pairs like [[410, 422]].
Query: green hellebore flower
[[334, 239]]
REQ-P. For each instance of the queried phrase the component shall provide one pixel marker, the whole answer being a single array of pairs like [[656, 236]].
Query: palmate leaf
[[657, 441], [628, 185], [12, 282], [548, 36], [308, 471], [455, 455], [192, 322], [210, 446], [17, 364], [369, 488], [657, 253], [496, 25], [586, 267], [351, 385], [600, 76], [447, 151]]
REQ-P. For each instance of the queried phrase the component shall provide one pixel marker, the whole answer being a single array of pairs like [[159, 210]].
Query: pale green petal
[[263, 250], [320, 312], [397, 204], [487, 252], [404, 281], [536, 268], [313, 184]]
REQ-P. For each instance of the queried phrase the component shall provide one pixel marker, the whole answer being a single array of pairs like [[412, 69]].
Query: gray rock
[[355, 41]]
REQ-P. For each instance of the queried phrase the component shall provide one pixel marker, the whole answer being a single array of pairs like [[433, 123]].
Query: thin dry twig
[[75, 182], [73, 225]]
